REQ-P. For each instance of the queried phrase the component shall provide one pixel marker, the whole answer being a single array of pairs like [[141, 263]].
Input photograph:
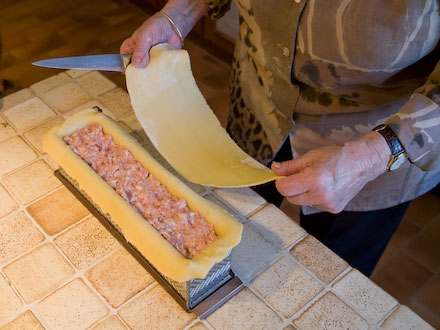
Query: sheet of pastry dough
[[156, 249], [183, 128]]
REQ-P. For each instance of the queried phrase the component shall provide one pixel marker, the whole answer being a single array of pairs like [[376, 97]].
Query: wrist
[[185, 13]]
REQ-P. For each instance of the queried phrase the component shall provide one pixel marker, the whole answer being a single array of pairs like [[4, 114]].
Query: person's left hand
[[328, 178]]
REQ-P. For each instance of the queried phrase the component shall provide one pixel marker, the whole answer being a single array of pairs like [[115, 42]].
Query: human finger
[[288, 167], [292, 185]]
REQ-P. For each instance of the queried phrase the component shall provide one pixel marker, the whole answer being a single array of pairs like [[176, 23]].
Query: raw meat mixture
[[187, 231]]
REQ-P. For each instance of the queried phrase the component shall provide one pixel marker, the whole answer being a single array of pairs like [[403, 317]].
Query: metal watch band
[[391, 138]]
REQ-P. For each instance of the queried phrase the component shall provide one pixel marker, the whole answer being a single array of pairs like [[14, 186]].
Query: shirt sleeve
[[217, 8], [417, 124]]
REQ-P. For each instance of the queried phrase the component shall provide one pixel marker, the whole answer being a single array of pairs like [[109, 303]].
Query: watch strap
[[391, 139]]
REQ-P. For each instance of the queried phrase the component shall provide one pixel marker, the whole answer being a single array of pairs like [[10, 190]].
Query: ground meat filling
[[187, 231]]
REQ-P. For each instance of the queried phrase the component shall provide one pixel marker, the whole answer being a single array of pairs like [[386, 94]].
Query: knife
[[106, 62]]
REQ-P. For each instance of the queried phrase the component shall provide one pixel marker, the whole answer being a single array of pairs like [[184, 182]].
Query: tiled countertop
[[60, 269]]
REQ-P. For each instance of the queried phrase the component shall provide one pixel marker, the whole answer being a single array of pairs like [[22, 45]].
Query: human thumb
[[288, 167]]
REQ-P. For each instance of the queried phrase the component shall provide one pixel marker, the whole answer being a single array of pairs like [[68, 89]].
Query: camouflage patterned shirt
[[326, 72]]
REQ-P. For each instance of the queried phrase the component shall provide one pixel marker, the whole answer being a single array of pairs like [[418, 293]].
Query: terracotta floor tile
[[35, 135], [402, 277], [50, 83], [425, 248], [11, 304], [73, 306], [95, 83], [424, 208], [405, 319], [86, 243], [6, 130], [218, 79], [119, 277], [323, 262], [220, 106], [57, 211], [7, 203], [155, 309], [39, 272], [244, 311], [110, 323], [427, 314], [15, 153], [31, 182], [27, 320], [286, 286], [16, 98], [17, 235], [118, 101], [66, 97], [430, 293]]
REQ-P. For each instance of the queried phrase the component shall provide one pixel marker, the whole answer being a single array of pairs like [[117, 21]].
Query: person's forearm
[[185, 13]]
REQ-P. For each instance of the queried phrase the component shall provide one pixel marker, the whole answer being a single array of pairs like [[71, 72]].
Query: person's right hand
[[153, 31]]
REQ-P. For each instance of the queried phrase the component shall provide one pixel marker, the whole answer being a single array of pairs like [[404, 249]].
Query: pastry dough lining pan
[[200, 296]]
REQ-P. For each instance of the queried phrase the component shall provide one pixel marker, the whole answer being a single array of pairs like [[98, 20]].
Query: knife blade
[[105, 62]]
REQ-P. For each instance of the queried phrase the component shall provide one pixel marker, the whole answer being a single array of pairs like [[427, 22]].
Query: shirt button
[[286, 51]]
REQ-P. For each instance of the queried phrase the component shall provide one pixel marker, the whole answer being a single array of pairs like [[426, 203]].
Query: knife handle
[[126, 59]]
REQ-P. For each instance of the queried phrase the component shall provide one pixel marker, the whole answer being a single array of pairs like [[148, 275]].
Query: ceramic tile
[[24, 321], [286, 286], [218, 202], [29, 114], [252, 254], [118, 101], [245, 200], [35, 135], [17, 235], [289, 327], [110, 323], [276, 226], [11, 304], [119, 277], [155, 309], [90, 105], [73, 306], [412, 276], [14, 154], [405, 319], [57, 211], [219, 103], [7, 203], [244, 311], [76, 73], [86, 243], [367, 298], [423, 209], [95, 83], [66, 97], [429, 294], [12, 100], [139, 133], [46, 85], [319, 259], [428, 315], [198, 326], [39, 272], [330, 313], [426, 246], [6, 130], [31, 182]]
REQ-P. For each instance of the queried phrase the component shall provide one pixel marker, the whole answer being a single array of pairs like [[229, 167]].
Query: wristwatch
[[398, 154]]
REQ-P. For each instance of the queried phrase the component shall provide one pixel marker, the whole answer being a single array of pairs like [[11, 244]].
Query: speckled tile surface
[[61, 269]]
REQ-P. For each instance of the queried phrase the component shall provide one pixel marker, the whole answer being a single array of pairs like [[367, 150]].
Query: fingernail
[[137, 60], [276, 165]]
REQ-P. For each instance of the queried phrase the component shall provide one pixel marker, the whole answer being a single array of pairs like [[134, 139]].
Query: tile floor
[[33, 30]]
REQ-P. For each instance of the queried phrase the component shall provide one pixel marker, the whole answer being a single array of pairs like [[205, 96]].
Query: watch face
[[399, 160]]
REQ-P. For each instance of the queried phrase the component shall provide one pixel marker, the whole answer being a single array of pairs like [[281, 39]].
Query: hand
[[328, 178]]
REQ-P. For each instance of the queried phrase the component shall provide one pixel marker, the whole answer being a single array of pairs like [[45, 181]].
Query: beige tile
[[276, 226], [289, 327], [252, 254], [155, 309], [90, 105], [46, 85], [95, 83], [66, 97], [405, 319], [17, 98], [319, 259], [6, 130], [73, 306], [119, 277], [244, 200], [25, 321], [86, 243], [118, 101], [15, 153], [244, 311], [39, 272], [7, 203], [110, 323], [366, 297], [57, 211], [17, 235], [29, 114], [76, 73], [11, 304], [198, 326], [35, 135], [225, 207], [330, 313], [286, 286], [31, 182]]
